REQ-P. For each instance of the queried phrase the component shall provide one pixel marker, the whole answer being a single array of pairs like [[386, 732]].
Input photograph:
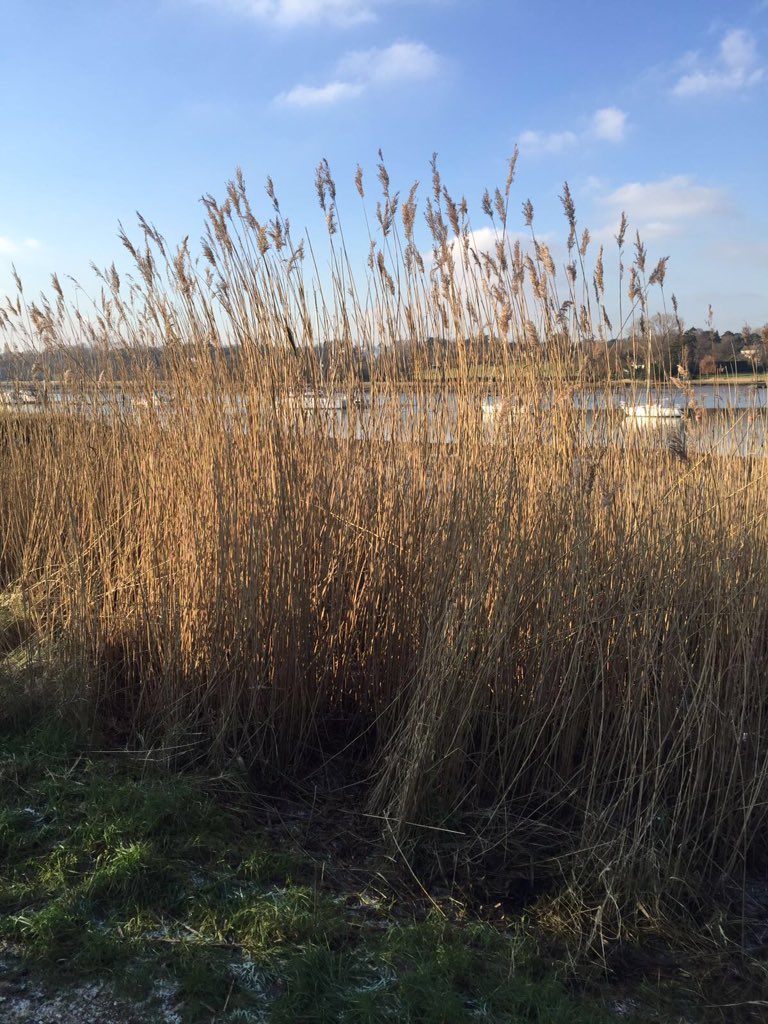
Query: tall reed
[[550, 641]]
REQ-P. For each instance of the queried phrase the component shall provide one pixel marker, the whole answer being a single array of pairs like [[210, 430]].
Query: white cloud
[[319, 96], [485, 240], [395, 63], [737, 67], [660, 209], [594, 184], [10, 247], [676, 198], [547, 142], [296, 13], [655, 230], [609, 124], [360, 70], [292, 13]]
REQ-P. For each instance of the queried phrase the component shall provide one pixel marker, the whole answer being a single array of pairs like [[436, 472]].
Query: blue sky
[[659, 109]]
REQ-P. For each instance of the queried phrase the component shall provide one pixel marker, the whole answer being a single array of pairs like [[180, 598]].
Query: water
[[723, 419]]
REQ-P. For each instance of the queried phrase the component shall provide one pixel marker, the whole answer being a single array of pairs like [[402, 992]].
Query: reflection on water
[[741, 432], [708, 397]]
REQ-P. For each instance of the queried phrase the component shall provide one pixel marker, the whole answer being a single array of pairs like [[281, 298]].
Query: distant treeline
[[86, 364], [662, 350]]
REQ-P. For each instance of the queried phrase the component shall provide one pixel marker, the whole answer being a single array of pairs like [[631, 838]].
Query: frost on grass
[[24, 1000]]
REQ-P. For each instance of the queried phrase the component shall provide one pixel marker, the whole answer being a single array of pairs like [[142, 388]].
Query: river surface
[[726, 419], [719, 419]]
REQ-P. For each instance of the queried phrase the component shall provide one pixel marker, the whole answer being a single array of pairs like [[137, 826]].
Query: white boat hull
[[653, 411]]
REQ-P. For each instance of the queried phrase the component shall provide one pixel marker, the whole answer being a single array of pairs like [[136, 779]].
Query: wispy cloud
[[547, 142], [320, 95], [609, 124], [12, 247], [659, 209], [736, 68], [392, 64], [361, 70], [753, 253], [292, 13], [295, 13]]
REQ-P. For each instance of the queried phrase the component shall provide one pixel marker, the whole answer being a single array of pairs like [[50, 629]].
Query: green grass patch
[[111, 864]]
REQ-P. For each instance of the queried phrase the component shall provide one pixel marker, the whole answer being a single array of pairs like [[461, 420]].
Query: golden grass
[[555, 646]]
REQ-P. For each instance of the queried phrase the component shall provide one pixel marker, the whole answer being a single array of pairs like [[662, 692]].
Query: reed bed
[[553, 647]]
